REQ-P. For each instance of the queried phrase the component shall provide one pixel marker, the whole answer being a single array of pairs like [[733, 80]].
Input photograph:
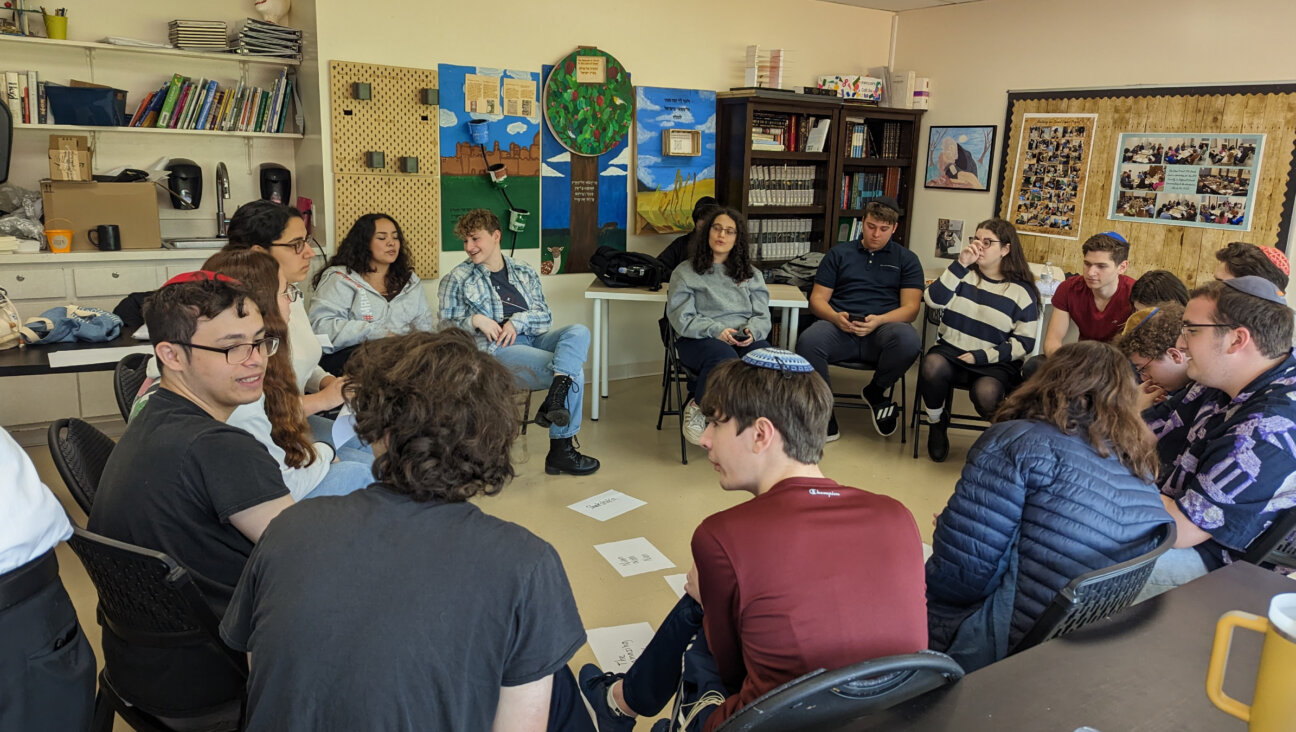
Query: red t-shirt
[[809, 575], [1075, 297]]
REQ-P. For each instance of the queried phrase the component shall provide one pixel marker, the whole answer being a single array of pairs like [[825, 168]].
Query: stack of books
[[199, 35], [25, 95], [259, 38], [201, 104]]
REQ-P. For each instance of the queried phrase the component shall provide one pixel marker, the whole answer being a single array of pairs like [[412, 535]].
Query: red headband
[[200, 275]]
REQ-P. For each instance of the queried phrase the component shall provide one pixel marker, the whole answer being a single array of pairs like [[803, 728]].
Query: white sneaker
[[694, 423]]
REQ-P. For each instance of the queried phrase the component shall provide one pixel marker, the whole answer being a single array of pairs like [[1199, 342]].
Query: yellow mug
[[1274, 706]]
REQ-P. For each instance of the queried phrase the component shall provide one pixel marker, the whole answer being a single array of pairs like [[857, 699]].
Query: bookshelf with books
[[801, 168], [775, 164], [877, 159]]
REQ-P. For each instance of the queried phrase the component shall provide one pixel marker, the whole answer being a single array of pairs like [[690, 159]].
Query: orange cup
[[60, 240]]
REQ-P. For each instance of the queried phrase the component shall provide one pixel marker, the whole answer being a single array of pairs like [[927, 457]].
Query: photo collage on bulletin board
[[508, 100], [1186, 179], [666, 186], [1051, 174]]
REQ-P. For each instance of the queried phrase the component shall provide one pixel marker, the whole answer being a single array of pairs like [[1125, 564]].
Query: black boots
[[553, 411], [563, 458], [938, 439]]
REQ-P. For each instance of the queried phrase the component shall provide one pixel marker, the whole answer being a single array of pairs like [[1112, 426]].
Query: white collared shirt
[[34, 521]]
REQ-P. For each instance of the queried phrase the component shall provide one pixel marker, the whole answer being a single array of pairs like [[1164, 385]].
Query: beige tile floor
[[640, 461]]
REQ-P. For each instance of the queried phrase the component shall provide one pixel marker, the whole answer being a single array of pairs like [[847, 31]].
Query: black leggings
[[938, 375]]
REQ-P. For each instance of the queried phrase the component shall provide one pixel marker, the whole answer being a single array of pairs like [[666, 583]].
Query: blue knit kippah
[[1115, 236], [778, 360]]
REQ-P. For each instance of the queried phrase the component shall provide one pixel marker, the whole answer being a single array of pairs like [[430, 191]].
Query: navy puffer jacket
[[1033, 510]]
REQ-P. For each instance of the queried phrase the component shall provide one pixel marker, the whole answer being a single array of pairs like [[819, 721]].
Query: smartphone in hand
[[858, 318]]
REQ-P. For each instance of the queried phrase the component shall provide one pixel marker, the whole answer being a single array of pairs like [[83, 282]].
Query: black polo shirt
[[868, 283]]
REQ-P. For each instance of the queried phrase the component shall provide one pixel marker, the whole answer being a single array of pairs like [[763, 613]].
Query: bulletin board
[[397, 121], [1251, 109]]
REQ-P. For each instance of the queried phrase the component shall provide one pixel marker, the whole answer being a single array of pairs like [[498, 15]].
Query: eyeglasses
[[725, 230], [1142, 371], [298, 244], [1189, 329], [985, 242], [235, 355], [293, 293]]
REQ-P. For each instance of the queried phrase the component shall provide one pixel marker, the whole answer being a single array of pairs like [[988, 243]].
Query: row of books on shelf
[[782, 185], [860, 188], [201, 104], [25, 95], [773, 239], [774, 132], [864, 144]]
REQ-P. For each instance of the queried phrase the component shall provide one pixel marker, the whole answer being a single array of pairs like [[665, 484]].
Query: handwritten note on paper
[[676, 582], [633, 556], [618, 647], [606, 505]]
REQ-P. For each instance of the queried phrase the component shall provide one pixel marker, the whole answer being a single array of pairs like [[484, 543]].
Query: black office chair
[[826, 700], [130, 373], [855, 400], [1095, 595], [1276, 547], [147, 598], [80, 452], [677, 384], [973, 422]]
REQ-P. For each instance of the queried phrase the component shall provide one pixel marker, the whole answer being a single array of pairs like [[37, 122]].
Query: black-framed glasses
[[986, 242], [1142, 370], [1187, 329], [299, 244], [725, 230], [292, 292], [235, 355]]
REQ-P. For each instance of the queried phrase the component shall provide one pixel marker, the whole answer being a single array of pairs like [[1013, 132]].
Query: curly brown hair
[[1151, 332], [445, 410], [259, 273], [738, 265], [1087, 390], [482, 219]]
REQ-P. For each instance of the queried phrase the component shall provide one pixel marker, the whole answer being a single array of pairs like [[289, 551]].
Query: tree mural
[[589, 105]]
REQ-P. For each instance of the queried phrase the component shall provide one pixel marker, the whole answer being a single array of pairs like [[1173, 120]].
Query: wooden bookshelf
[[744, 175], [890, 148]]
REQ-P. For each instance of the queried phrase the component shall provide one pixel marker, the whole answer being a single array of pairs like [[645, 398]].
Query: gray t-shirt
[[373, 611]]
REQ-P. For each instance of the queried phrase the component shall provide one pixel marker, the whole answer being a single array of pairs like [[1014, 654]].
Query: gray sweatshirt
[[350, 311], [702, 306]]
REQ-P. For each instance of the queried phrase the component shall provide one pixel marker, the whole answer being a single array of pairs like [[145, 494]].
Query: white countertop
[[126, 255]]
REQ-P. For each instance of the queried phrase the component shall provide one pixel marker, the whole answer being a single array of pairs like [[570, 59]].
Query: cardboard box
[[83, 206], [69, 157], [853, 86]]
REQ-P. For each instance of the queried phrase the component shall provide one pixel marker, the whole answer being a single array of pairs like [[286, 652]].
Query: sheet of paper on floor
[[606, 505], [634, 556], [676, 582], [617, 647]]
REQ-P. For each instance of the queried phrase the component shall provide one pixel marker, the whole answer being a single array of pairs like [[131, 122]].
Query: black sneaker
[[833, 431], [938, 440], [886, 414], [594, 685]]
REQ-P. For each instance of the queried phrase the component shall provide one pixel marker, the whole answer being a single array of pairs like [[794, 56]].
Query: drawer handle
[[115, 275], [20, 278]]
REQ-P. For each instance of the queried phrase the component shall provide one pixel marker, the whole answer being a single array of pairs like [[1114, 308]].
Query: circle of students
[[404, 606]]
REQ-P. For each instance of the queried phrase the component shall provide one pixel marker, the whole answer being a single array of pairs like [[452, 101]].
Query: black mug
[[106, 237]]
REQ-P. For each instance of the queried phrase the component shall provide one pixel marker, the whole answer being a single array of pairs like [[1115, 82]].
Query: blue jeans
[[342, 478], [535, 359], [1175, 567], [700, 355]]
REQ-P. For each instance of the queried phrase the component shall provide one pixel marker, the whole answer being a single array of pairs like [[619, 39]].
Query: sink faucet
[[222, 194]]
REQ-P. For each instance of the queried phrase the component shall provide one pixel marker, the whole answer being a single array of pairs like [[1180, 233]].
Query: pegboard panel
[[394, 120], [414, 201]]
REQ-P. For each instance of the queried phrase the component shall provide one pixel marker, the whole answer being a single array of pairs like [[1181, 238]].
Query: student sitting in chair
[[1234, 472], [368, 291], [183, 482], [405, 606], [808, 574], [989, 317], [499, 301], [866, 296], [1058, 487], [717, 304]]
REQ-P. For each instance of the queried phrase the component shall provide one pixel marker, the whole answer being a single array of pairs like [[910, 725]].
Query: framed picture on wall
[[960, 158]]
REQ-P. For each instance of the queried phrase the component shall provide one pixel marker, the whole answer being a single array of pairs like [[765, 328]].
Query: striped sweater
[[994, 320]]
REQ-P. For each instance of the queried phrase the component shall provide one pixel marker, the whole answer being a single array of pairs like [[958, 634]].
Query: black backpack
[[616, 268]]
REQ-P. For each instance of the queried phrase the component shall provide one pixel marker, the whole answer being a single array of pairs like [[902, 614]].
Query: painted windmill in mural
[[589, 106]]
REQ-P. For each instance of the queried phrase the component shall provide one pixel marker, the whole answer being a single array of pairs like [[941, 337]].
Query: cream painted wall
[[91, 20], [662, 42], [975, 53]]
